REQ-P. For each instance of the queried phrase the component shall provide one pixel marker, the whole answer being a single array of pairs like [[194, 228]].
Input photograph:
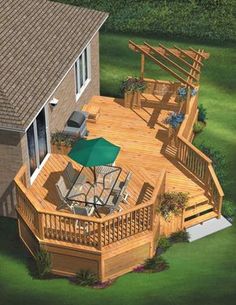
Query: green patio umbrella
[[94, 152]]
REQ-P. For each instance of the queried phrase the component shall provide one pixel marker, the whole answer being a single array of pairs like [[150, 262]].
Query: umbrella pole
[[94, 175]]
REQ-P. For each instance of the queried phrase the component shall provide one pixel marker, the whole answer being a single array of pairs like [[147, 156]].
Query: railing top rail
[[194, 148], [198, 152], [159, 81], [216, 180]]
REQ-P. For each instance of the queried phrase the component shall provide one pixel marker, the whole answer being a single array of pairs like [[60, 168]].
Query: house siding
[[13, 145], [65, 93]]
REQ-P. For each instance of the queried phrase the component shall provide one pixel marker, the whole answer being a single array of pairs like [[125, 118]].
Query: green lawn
[[217, 93], [203, 272]]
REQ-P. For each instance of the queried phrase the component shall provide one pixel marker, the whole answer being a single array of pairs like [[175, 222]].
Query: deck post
[[40, 226], [219, 207], [142, 66], [100, 236], [188, 100]]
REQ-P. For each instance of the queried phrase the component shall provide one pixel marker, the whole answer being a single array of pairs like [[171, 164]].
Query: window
[[82, 71], [37, 142]]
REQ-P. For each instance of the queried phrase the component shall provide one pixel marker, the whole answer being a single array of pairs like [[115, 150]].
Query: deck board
[[141, 153]]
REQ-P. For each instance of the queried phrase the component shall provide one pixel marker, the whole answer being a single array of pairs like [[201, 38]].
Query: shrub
[[218, 160], [228, 209], [202, 19], [202, 113], [103, 285], [139, 269], [156, 264], [133, 84], [198, 127], [174, 119], [163, 244], [43, 263], [180, 236], [86, 278], [172, 203]]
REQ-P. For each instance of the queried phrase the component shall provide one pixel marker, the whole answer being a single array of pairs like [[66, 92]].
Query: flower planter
[[60, 149], [132, 99]]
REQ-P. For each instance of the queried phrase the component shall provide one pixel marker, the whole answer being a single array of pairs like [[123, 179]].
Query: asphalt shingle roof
[[39, 42]]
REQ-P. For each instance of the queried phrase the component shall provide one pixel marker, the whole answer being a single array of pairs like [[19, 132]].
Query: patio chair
[[113, 204], [85, 211], [122, 187], [107, 173], [62, 192], [71, 176]]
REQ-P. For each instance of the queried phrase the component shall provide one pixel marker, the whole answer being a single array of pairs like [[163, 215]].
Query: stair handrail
[[198, 164]]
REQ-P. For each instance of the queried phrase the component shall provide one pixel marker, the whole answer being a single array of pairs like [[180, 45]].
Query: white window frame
[[77, 72], [40, 166]]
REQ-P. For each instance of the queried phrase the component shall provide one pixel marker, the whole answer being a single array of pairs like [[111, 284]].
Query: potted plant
[[61, 142], [182, 93], [174, 120], [131, 88], [172, 203]]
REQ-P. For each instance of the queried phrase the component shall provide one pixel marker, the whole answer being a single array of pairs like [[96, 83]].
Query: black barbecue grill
[[76, 124]]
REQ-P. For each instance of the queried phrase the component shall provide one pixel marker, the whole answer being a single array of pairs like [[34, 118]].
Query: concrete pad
[[208, 227]]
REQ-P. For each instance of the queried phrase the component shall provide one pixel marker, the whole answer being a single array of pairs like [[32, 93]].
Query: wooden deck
[[142, 147], [141, 153], [113, 244], [43, 188]]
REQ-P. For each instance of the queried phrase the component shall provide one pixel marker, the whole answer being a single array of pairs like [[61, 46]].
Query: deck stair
[[198, 210], [171, 150]]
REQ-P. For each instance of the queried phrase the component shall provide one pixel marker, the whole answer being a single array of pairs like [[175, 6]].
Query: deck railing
[[161, 87], [198, 164], [87, 231]]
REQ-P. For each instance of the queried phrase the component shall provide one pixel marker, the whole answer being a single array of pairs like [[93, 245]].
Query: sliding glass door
[[37, 142]]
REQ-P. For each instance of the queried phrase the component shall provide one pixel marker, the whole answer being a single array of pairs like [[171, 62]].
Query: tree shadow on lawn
[[12, 247], [10, 241]]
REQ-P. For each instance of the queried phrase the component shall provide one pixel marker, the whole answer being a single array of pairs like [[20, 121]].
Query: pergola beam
[[180, 58], [204, 56], [164, 67], [189, 56], [195, 64], [171, 62]]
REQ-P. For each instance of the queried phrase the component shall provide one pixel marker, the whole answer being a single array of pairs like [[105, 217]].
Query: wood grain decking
[[142, 153]]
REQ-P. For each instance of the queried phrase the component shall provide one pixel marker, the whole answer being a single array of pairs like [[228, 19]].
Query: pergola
[[184, 65]]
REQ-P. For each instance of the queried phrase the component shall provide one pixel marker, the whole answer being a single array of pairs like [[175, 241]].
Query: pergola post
[[188, 99], [142, 66]]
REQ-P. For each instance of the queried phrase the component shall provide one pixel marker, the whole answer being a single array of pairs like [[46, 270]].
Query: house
[[49, 51]]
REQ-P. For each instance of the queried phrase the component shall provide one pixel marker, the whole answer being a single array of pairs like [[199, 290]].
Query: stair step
[[197, 193], [171, 151], [196, 200], [197, 210], [199, 219]]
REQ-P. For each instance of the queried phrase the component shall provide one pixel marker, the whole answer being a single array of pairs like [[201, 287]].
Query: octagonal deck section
[[114, 244]]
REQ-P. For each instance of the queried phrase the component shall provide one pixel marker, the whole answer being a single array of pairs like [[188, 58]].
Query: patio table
[[88, 192]]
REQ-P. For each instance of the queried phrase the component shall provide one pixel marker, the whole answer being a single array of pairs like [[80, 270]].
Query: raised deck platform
[[114, 244]]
